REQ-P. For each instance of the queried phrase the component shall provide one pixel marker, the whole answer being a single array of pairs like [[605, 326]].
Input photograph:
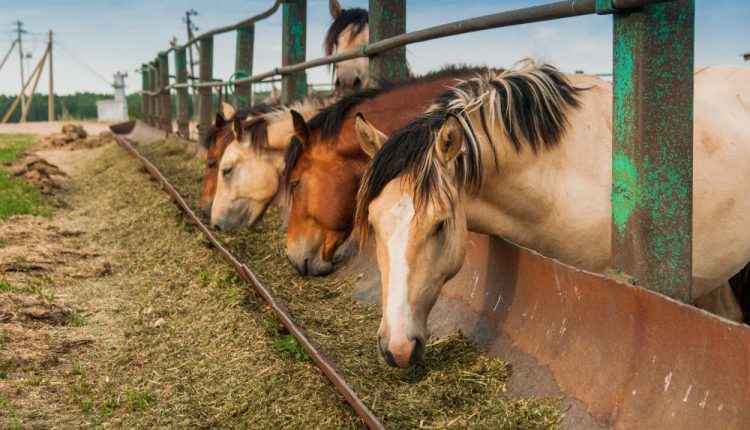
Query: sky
[[96, 38]]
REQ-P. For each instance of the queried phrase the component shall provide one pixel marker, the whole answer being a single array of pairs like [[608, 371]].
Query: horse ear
[[227, 110], [237, 128], [370, 138], [449, 139], [335, 8], [300, 127]]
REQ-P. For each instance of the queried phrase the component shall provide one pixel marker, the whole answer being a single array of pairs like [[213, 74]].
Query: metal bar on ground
[[206, 49], [183, 115], [387, 19], [165, 97], [244, 64], [323, 363], [293, 28], [652, 154]]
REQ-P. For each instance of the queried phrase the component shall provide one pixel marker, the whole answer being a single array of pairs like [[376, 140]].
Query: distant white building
[[117, 109]]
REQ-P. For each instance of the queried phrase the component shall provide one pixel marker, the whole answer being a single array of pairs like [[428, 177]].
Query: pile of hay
[[38, 172], [72, 137]]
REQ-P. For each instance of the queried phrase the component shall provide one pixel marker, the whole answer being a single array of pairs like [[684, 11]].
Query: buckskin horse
[[526, 155], [349, 30], [324, 164]]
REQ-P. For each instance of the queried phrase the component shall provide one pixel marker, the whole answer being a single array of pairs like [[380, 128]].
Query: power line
[[80, 63]]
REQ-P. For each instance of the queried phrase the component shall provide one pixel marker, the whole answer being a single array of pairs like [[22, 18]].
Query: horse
[[525, 155], [324, 164], [349, 30], [218, 137], [251, 167]]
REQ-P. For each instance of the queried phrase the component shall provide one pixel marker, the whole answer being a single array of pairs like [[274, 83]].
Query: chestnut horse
[[526, 155], [324, 164], [349, 30], [219, 136]]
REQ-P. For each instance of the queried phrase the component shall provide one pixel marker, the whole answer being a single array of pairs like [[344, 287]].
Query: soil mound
[[73, 137], [39, 172]]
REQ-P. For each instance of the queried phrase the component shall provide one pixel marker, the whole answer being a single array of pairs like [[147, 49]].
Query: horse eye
[[294, 185], [211, 164], [440, 227], [226, 171]]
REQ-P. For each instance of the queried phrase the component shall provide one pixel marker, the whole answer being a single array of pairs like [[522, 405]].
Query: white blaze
[[398, 312]]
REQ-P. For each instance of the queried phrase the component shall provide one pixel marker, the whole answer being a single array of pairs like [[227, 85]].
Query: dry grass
[[455, 386]]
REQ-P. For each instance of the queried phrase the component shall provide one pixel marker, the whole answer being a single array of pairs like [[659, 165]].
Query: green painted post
[[244, 64], [165, 97], [205, 109], [294, 85], [652, 146], [183, 118], [154, 81], [387, 19], [144, 96]]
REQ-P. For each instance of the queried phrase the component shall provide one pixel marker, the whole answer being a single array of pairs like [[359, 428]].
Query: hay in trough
[[455, 386]]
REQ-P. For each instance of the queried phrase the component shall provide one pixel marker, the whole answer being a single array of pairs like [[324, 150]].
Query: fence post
[[244, 63], [652, 146], [183, 118], [152, 99], [387, 19], [165, 96], [205, 109], [294, 85], [144, 97]]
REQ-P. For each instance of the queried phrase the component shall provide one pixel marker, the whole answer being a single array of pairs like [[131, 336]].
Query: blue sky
[[111, 35]]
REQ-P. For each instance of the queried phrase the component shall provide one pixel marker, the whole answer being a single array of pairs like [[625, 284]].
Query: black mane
[[539, 96], [357, 18]]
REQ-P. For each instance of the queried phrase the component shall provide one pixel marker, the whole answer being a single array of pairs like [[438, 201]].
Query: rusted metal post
[[205, 109], [652, 153], [387, 19], [153, 84], [165, 96], [183, 118], [294, 85], [144, 97], [244, 64]]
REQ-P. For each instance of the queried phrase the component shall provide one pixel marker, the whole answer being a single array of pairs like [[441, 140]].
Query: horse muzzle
[[403, 354]]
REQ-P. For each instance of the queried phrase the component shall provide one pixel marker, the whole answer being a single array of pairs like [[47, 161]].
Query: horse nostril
[[217, 227], [357, 83], [337, 84], [417, 352]]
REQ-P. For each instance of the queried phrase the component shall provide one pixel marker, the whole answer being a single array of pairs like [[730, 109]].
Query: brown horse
[[349, 30], [324, 164], [219, 136]]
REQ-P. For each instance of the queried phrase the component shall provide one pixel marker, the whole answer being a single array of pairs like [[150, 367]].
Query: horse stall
[[624, 348]]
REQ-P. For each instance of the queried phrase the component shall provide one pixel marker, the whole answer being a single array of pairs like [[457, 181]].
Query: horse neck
[[544, 200], [392, 109]]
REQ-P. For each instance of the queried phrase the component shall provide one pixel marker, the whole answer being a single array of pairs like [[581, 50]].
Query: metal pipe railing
[[545, 12]]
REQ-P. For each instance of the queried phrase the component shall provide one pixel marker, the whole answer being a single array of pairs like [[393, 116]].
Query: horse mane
[[355, 17], [330, 120], [257, 127], [256, 110], [530, 104]]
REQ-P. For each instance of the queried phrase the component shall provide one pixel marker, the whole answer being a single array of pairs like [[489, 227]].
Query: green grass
[[16, 196]]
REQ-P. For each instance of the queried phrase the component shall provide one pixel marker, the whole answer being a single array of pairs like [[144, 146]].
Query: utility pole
[[19, 32], [51, 93]]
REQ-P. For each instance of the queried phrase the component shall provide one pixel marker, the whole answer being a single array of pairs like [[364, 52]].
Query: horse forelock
[[355, 18], [529, 104]]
